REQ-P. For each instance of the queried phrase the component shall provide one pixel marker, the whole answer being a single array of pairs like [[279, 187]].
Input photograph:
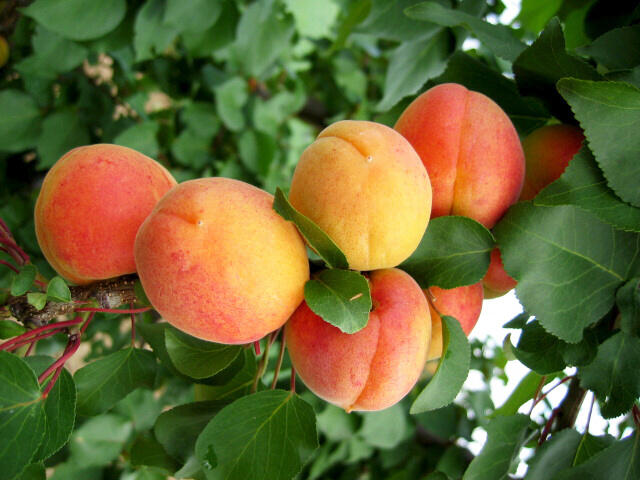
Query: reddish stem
[[256, 347], [544, 395], [36, 331], [133, 327], [22, 257], [7, 264], [52, 382], [593, 400], [293, 379], [87, 322], [112, 310], [635, 411], [33, 340], [72, 346], [276, 373], [31, 346], [548, 425]]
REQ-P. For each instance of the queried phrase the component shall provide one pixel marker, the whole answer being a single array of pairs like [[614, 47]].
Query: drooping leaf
[[99, 440], [340, 297], [20, 121], [539, 350], [584, 185], [267, 435], [315, 237], [568, 250], [612, 376], [609, 113], [22, 281], [453, 369], [615, 49], [554, 455], [197, 358], [454, 251], [58, 290], [386, 428], [628, 300], [103, 382]]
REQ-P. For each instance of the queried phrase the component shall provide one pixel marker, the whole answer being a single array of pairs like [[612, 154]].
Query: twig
[[32, 333], [292, 386], [570, 406], [538, 390], [276, 373]]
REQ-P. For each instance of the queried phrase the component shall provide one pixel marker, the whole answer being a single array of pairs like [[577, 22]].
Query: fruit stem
[[276, 373], [547, 427], [538, 390], [544, 395], [33, 340], [293, 379], [7, 264], [72, 346], [256, 347], [262, 366], [36, 331]]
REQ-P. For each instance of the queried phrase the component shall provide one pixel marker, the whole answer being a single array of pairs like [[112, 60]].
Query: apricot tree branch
[[570, 406]]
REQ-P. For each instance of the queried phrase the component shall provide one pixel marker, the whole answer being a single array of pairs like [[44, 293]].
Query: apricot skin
[[471, 151], [217, 262], [371, 369], [462, 303], [90, 206], [365, 186]]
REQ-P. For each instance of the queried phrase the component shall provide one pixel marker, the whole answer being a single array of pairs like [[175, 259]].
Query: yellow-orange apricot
[[366, 187], [371, 369], [92, 202], [219, 263]]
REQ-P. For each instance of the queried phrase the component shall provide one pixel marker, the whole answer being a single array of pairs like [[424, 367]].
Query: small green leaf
[[453, 369], [37, 299], [9, 328], [315, 237], [340, 297], [152, 35], [612, 374], [20, 121], [231, 96], [606, 49], [628, 300], [609, 113], [62, 130], [192, 16], [524, 391], [454, 251], [99, 441], [197, 358], [505, 436], [58, 290], [22, 281], [313, 19], [267, 435], [539, 350], [554, 455], [386, 428], [105, 381], [142, 137]]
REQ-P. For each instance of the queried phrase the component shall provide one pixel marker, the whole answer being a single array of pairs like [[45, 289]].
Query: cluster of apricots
[[217, 262]]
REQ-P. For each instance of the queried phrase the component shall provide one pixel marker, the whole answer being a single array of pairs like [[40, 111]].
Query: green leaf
[[257, 151], [356, 12], [99, 441], [88, 21], [22, 416], [154, 335], [607, 50], [546, 61], [177, 429], [568, 251], [58, 290], [20, 121], [59, 408], [142, 137], [221, 34], [526, 113], [620, 461], [628, 300], [231, 97], [9, 328], [319, 241], [590, 445], [197, 358], [37, 300], [313, 19], [192, 16], [267, 435], [410, 66], [22, 281], [500, 39], [387, 20], [239, 385], [539, 350], [35, 471], [105, 381], [583, 352], [340, 297], [505, 436], [61, 131], [522, 393], [554, 455], [201, 119], [386, 428], [453, 369], [454, 251], [612, 374], [609, 113], [151, 35], [583, 184], [191, 150], [269, 115], [534, 14], [147, 451], [336, 424]]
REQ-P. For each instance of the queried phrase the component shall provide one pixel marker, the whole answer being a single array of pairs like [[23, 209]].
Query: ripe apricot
[[219, 263], [365, 186], [371, 369], [90, 206]]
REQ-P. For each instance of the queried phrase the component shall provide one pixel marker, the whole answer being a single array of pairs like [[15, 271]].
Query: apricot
[[497, 281], [471, 151], [217, 262], [90, 206], [371, 369], [366, 187], [462, 303]]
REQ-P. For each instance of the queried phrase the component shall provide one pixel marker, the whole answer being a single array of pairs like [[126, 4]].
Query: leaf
[[267, 435], [151, 35], [22, 416], [197, 358], [583, 184], [313, 19], [573, 265], [105, 381], [22, 281], [609, 113], [340, 297], [319, 241], [336, 424], [628, 300], [590, 445], [453, 369], [20, 121], [142, 137], [231, 97], [386, 428], [37, 300], [9, 328], [539, 350], [526, 113], [411, 64], [59, 408], [61, 131], [554, 455], [99, 441], [543, 63], [612, 374], [193, 16], [620, 461], [35, 471], [257, 151], [387, 20], [147, 451], [89, 20], [522, 393], [153, 333], [505, 436], [239, 385], [606, 48], [534, 14], [58, 290], [500, 39], [454, 251]]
